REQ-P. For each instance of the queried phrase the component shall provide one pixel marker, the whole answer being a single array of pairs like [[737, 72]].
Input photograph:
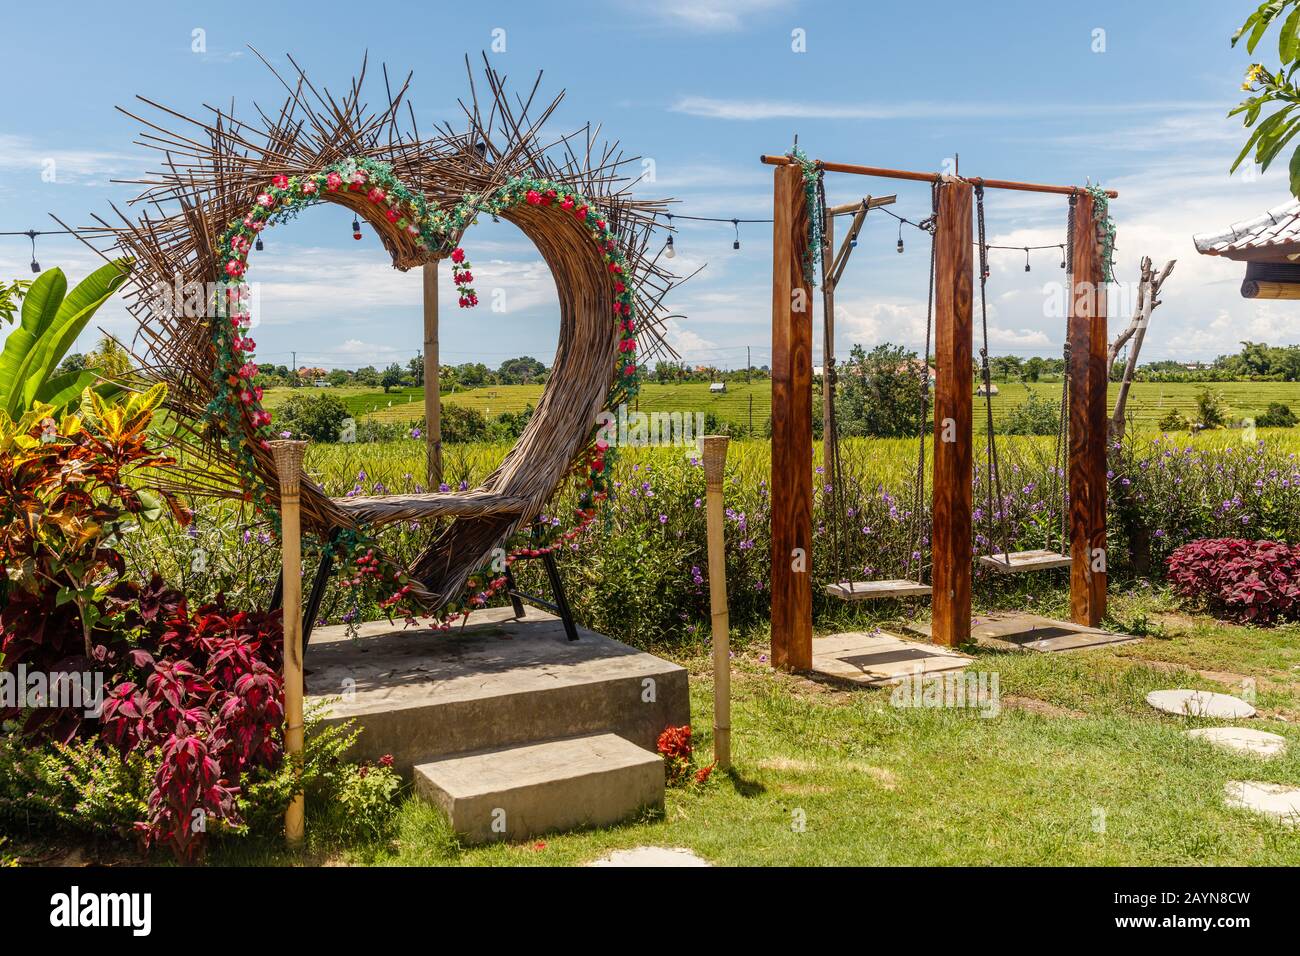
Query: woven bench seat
[[382, 509]]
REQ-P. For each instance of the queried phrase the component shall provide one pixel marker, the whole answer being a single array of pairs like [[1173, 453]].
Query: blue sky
[[702, 88]]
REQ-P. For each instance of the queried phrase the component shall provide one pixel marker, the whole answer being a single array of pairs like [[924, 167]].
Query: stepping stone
[[1271, 799], [878, 659], [651, 856], [1199, 703], [516, 793], [1245, 739]]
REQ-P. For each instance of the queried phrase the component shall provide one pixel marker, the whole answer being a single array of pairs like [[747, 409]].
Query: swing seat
[[873, 590], [1020, 561]]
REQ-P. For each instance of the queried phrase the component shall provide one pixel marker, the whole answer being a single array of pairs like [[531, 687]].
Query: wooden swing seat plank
[[1018, 562], [873, 590]]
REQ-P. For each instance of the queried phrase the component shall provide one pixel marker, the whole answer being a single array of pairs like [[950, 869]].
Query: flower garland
[[237, 401], [1105, 230], [811, 177]]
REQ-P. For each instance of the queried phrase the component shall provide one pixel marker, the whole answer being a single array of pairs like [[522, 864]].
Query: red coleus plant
[[204, 692], [1247, 581]]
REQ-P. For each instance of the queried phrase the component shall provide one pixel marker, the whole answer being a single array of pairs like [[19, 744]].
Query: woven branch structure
[[223, 179]]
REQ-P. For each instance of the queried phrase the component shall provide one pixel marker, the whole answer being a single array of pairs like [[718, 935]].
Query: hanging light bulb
[[1062, 257], [1026, 258], [853, 241], [356, 229], [31, 234], [259, 245], [669, 251], [900, 236], [735, 223]]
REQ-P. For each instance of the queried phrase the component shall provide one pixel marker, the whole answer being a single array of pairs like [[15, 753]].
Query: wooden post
[[791, 484], [1089, 422], [954, 382], [828, 341], [288, 457], [432, 400], [715, 463]]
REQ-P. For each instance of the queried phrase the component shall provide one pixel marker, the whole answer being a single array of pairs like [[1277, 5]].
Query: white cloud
[[713, 16], [711, 107]]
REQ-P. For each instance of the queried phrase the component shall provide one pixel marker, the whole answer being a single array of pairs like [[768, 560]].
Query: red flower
[[376, 195], [458, 255], [280, 182], [534, 197], [333, 181]]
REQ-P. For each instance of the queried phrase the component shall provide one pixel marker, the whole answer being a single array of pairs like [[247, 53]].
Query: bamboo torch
[[715, 462], [288, 466]]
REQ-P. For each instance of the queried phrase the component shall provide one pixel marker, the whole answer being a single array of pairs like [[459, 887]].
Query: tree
[[1211, 410], [392, 377], [524, 370], [339, 376], [1272, 87], [878, 393], [110, 360], [72, 362], [1276, 415], [416, 369], [318, 417], [11, 295], [366, 375]]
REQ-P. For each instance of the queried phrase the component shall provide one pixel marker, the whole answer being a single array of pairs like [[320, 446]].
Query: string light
[[900, 235], [1026, 258], [736, 224], [32, 234], [356, 229], [669, 251], [259, 245]]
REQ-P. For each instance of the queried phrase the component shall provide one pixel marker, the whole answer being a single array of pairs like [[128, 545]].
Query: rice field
[[1148, 401]]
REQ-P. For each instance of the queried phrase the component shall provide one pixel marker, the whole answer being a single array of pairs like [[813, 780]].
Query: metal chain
[[918, 484], [838, 511], [991, 445]]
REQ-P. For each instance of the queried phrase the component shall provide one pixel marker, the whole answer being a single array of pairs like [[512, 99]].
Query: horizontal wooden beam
[[884, 173], [873, 202], [1258, 289]]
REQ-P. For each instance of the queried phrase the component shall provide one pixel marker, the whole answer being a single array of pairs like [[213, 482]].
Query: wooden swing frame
[[791, 479]]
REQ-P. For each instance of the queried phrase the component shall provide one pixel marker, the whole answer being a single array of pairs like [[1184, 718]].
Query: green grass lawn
[[1148, 401], [1074, 745]]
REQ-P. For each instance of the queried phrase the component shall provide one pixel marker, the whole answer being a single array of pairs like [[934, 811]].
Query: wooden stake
[[715, 463], [288, 457], [432, 400], [953, 343], [791, 484], [1089, 373]]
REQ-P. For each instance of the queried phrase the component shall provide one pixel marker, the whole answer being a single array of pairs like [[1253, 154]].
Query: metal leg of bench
[[513, 590], [317, 594], [561, 599]]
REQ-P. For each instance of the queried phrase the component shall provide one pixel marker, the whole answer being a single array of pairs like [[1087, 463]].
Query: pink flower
[[333, 181], [566, 203], [376, 195], [234, 268], [413, 229], [309, 187], [265, 199], [280, 182]]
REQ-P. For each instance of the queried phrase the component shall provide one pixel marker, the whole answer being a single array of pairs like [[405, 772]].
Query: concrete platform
[[497, 682], [1033, 632], [879, 659], [515, 793]]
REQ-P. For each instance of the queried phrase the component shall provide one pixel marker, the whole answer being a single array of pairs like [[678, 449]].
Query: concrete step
[[496, 682], [514, 793]]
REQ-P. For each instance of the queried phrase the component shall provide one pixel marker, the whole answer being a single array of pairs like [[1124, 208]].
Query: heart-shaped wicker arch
[[224, 180]]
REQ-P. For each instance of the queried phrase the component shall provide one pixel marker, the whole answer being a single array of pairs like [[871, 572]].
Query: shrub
[[318, 417], [1276, 415], [364, 798], [1211, 409], [1034, 416], [1174, 421], [1247, 581]]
